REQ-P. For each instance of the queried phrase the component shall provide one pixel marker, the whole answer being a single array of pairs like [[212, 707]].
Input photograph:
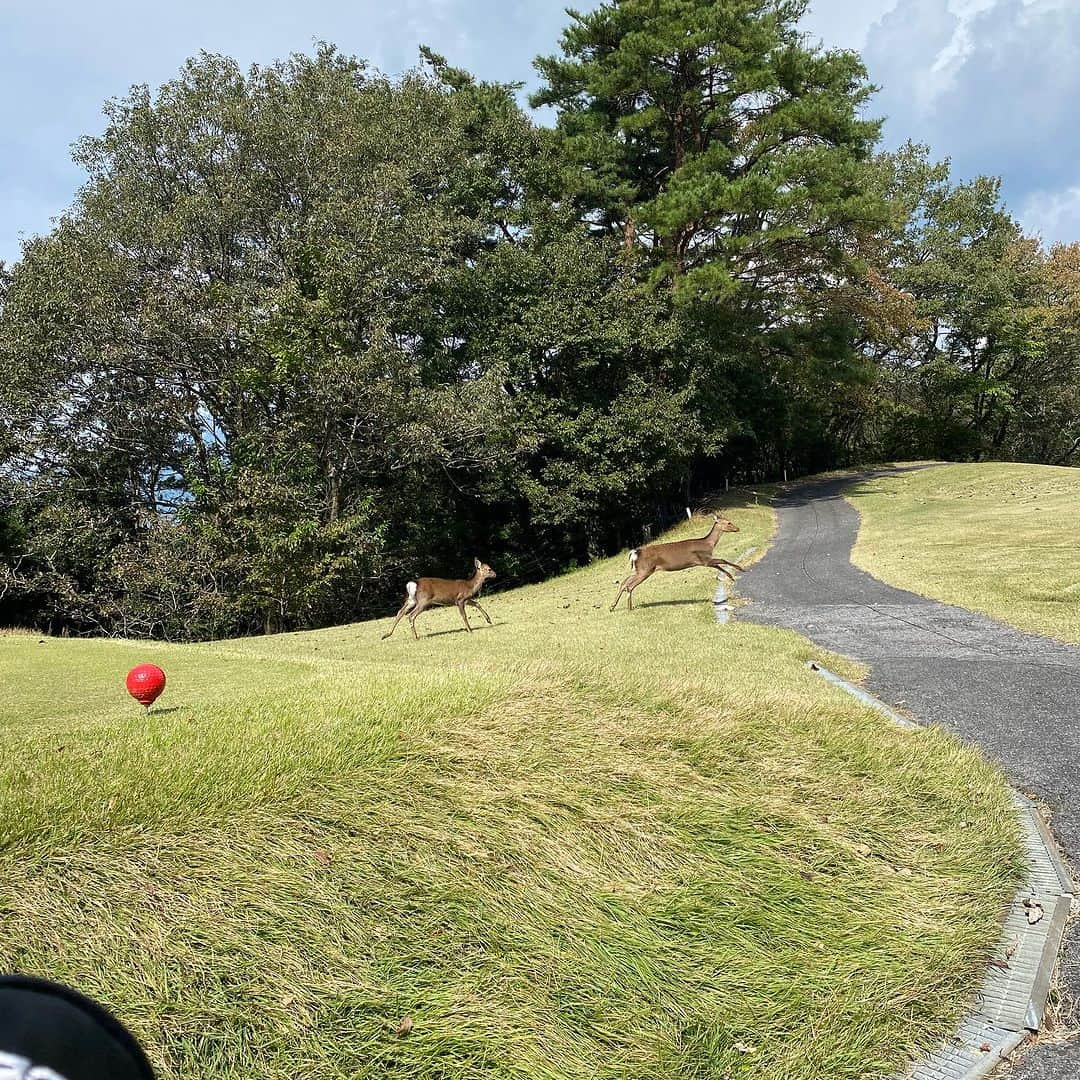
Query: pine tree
[[714, 135]]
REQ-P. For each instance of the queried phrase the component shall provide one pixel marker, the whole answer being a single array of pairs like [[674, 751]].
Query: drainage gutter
[[1011, 1002]]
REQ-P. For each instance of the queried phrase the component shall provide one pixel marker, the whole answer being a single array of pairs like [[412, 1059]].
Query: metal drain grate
[[1012, 999], [964, 1058]]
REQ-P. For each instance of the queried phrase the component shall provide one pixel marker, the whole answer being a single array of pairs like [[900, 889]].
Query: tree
[[970, 362], [308, 329], [714, 139], [236, 322], [1036, 407], [713, 135], [601, 389]]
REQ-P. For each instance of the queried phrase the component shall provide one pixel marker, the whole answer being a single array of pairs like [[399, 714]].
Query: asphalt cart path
[[1016, 695]]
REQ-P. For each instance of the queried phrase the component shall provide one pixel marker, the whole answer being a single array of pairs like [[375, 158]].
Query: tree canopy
[[715, 136]]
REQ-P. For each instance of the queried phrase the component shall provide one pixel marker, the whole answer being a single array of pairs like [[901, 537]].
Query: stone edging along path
[[1011, 1001], [1016, 695]]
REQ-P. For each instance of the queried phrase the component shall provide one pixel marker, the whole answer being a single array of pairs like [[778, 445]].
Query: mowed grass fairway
[[997, 538], [575, 844]]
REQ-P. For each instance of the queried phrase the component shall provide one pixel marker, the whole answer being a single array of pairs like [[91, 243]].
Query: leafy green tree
[[601, 387], [308, 331], [713, 139], [712, 134], [238, 312], [968, 365], [1047, 426]]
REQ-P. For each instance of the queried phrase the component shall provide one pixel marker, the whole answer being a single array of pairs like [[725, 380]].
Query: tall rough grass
[[570, 845]]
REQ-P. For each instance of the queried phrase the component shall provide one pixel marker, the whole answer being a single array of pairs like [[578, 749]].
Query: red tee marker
[[145, 683]]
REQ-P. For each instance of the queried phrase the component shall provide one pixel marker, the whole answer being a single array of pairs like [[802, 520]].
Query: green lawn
[[575, 844], [996, 538]]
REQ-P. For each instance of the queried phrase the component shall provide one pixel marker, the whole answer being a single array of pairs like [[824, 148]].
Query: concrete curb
[[863, 696], [1011, 1001], [721, 607]]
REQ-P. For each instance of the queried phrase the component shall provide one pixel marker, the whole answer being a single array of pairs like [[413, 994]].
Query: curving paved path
[[1017, 695]]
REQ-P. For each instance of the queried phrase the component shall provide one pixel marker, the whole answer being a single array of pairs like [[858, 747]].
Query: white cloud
[[1053, 215], [961, 45], [844, 23], [990, 84]]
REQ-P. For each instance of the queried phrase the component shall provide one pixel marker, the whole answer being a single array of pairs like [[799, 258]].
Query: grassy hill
[[996, 538], [574, 844]]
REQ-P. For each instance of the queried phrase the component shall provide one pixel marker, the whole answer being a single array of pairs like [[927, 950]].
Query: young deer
[[428, 592], [677, 555]]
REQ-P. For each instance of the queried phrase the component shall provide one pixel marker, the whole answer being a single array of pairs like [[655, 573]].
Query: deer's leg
[[718, 564], [476, 605], [464, 617], [639, 577], [406, 608], [622, 589], [419, 608], [733, 565]]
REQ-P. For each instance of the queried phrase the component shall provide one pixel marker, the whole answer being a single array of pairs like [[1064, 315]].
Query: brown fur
[[442, 592], [676, 555]]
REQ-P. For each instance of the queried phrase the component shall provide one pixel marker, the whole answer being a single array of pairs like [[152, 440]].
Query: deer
[[676, 555], [428, 592]]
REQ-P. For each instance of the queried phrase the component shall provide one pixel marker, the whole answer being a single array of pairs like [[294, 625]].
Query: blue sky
[[993, 84]]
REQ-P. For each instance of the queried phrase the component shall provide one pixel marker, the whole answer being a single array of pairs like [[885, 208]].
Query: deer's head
[[483, 570], [722, 523]]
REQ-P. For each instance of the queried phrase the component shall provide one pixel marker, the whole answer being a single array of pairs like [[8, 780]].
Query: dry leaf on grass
[[404, 1026], [322, 856]]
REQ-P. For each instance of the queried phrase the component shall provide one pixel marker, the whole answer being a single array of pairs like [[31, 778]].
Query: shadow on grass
[[461, 629], [670, 603]]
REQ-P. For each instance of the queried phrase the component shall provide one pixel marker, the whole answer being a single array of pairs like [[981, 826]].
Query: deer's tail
[[633, 560], [410, 588]]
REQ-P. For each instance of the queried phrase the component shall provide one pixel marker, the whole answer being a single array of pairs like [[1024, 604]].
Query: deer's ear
[[477, 563]]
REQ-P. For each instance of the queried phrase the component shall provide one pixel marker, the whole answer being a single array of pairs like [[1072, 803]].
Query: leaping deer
[[676, 555], [428, 592]]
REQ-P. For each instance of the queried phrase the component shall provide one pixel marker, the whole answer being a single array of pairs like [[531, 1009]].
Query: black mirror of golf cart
[[49, 1032]]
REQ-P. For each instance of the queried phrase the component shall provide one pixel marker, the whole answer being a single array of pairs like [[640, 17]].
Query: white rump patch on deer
[[633, 559], [410, 588]]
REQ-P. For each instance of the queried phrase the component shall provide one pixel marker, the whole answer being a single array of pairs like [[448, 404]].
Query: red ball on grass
[[145, 683]]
